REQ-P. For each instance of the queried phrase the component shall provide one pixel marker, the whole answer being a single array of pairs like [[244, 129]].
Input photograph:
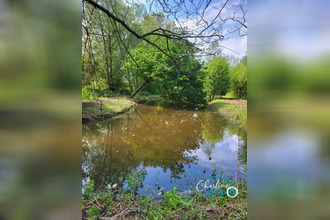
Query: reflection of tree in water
[[212, 130], [212, 127], [242, 150], [157, 139], [150, 137], [104, 163]]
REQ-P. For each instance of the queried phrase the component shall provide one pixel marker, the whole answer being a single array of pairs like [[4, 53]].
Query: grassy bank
[[235, 110], [105, 108], [127, 204]]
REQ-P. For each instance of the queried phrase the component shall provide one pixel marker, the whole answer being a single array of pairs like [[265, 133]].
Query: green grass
[[105, 107], [234, 114]]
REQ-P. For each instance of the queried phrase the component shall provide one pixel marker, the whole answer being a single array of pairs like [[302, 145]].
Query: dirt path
[[242, 104]]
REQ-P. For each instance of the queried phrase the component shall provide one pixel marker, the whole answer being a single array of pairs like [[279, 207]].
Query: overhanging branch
[[116, 19]]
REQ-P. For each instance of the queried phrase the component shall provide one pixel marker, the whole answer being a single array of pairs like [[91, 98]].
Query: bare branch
[[110, 15]]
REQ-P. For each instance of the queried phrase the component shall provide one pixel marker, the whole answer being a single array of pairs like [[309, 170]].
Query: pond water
[[167, 147]]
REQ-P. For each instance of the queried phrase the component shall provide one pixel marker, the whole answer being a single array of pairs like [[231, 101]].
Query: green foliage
[[173, 205], [94, 212], [179, 82], [239, 79], [183, 86], [109, 69], [108, 94], [244, 61], [217, 81], [88, 94], [88, 189], [107, 196], [173, 200], [103, 55], [168, 207], [134, 181]]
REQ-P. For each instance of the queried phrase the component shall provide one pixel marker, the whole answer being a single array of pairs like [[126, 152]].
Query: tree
[[183, 87], [217, 81], [180, 82], [204, 22], [113, 30], [105, 45], [239, 79]]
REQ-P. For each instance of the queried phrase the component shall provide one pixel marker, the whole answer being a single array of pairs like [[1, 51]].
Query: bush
[[94, 212], [88, 94], [88, 189], [183, 87]]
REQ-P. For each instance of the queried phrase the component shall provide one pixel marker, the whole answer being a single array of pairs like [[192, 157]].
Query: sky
[[233, 44], [297, 28]]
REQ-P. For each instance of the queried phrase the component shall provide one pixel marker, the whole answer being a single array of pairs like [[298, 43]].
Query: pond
[[167, 147]]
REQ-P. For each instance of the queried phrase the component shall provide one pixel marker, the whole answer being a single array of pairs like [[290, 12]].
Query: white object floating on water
[[195, 115], [166, 122]]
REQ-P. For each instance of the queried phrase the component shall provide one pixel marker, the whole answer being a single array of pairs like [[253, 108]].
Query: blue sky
[[233, 42], [298, 28]]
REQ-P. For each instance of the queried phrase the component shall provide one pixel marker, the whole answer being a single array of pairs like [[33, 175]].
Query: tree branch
[[115, 18]]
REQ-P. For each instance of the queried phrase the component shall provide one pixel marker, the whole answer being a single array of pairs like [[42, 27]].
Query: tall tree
[[217, 81], [194, 21], [239, 79]]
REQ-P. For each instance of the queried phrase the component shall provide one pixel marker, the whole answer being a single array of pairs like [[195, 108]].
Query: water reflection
[[167, 146]]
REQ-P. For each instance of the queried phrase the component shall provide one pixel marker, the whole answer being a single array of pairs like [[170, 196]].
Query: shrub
[[88, 94]]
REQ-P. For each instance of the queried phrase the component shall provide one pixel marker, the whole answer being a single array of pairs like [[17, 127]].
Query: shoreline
[[96, 110], [173, 205], [235, 110]]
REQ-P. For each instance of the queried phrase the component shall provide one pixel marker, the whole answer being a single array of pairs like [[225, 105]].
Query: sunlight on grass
[[105, 107], [235, 112]]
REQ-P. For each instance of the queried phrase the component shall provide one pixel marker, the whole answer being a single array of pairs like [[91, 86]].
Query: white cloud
[[238, 44], [232, 45]]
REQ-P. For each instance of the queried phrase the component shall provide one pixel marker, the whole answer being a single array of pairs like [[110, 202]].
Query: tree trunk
[[129, 80], [141, 86], [106, 54], [111, 62]]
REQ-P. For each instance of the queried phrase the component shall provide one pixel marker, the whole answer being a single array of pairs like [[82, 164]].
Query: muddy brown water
[[166, 147]]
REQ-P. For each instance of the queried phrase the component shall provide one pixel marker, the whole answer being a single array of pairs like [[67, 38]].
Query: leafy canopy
[[217, 81], [239, 79], [179, 82]]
